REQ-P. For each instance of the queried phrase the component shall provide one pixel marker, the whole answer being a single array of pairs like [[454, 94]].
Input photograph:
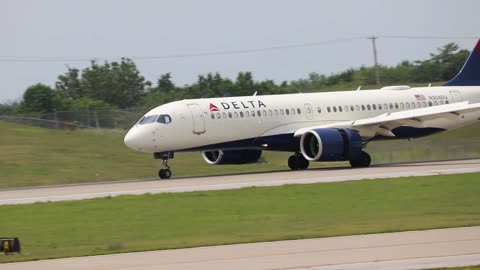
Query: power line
[[172, 56], [427, 37], [38, 59]]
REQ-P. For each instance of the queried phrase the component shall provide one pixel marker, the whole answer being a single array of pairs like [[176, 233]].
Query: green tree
[[42, 98], [9, 108], [165, 83], [88, 103], [69, 84], [116, 83]]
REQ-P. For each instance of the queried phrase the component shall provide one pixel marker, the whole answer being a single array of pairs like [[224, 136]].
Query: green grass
[[176, 220], [32, 156]]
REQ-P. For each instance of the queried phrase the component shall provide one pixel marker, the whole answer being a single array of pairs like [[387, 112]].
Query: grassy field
[[176, 220], [33, 156]]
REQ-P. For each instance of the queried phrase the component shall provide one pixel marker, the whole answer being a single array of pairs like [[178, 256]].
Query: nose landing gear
[[165, 172]]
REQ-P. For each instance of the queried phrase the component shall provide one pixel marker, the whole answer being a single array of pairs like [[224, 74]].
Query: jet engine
[[329, 144], [228, 157]]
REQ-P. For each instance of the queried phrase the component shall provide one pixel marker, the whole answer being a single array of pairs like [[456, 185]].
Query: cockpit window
[[164, 119], [148, 119]]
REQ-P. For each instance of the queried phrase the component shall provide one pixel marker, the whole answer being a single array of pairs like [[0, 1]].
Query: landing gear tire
[[362, 161], [165, 173], [297, 162]]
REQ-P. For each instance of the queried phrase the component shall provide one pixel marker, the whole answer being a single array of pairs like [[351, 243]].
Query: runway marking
[[225, 186]]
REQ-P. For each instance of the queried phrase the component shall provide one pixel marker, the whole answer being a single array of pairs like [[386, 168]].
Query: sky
[[39, 40]]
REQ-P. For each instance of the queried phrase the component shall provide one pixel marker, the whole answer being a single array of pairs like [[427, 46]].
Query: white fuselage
[[224, 123]]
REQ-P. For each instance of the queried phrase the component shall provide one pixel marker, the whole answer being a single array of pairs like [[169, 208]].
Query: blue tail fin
[[470, 72]]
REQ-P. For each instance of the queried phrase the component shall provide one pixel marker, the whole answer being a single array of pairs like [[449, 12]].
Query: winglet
[[470, 72]]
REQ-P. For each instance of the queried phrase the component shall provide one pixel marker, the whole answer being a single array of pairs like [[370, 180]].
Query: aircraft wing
[[384, 124]]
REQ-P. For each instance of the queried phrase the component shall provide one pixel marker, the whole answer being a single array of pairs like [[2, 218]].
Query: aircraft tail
[[470, 72]]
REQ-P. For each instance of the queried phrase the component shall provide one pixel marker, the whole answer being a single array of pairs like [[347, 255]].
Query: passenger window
[[287, 112], [212, 115], [340, 108], [229, 115], [218, 115], [385, 106], [346, 108], [281, 112], [441, 102], [374, 107], [270, 113], [402, 106], [247, 114], [396, 106], [292, 111], [299, 111], [446, 102], [276, 112], [253, 113], [224, 115], [390, 106], [363, 107], [351, 108], [368, 107], [413, 105], [241, 114], [435, 103], [319, 110], [407, 105], [357, 107], [334, 108], [235, 114], [259, 113], [264, 113], [379, 106], [430, 104], [328, 109]]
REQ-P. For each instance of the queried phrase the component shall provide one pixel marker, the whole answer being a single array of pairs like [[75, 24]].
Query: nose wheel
[[165, 172]]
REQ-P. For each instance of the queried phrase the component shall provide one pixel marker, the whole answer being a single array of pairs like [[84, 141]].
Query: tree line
[[119, 84]]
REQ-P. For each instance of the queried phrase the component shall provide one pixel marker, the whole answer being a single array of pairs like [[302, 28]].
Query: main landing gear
[[165, 172], [363, 160], [297, 162]]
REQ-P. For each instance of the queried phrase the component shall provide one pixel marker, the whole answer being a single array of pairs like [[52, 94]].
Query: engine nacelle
[[329, 144], [228, 157]]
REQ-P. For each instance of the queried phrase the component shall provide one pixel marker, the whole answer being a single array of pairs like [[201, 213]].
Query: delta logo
[[250, 104], [213, 108]]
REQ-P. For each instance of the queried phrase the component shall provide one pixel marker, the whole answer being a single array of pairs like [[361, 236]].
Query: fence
[[457, 144], [105, 119]]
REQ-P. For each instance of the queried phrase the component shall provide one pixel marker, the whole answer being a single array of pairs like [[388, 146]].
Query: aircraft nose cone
[[131, 140]]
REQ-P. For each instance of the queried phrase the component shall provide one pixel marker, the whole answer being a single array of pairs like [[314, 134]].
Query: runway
[[391, 251], [137, 187]]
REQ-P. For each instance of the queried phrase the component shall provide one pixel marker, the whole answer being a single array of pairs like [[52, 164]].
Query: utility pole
[[377, 72]]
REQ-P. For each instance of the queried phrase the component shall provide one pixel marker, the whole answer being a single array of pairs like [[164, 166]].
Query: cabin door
[[309, 111], [198, 119], [456, 96]]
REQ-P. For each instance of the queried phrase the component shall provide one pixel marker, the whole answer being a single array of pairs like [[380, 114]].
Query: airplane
[[315, 127]]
